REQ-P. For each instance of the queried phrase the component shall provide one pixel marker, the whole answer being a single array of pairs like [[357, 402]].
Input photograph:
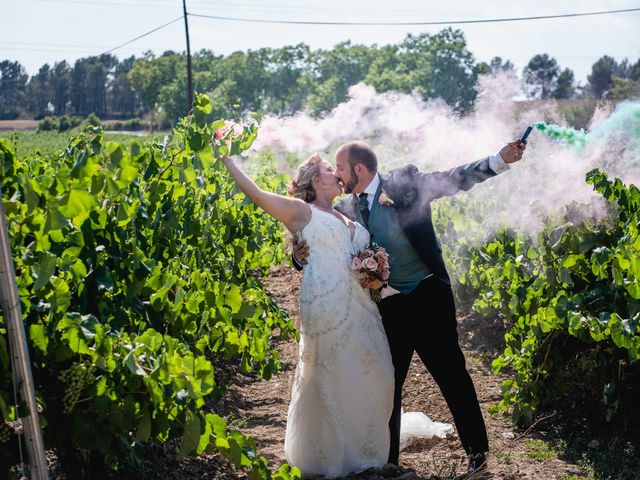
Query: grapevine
[[139, 263], [5, 432], [75, 379]]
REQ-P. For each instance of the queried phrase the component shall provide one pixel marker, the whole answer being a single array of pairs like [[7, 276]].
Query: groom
[[396, 209]]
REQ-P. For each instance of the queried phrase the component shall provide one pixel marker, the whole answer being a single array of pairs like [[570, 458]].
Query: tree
[[332, 72], [451, 71], [497, 65], [60, 84], [624, 88], [121, 98], [634, 71], [435, 66], [541, 75], [13, 82], [89, 79], [601, 76], [150, 73], [285, 68], [39, 95], [564, 85]]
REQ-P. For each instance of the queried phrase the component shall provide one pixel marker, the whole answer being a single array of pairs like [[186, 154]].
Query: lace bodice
[[327, 279], [330, 240]]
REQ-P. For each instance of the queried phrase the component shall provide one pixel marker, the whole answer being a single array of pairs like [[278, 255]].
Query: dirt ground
[[262, 406], [18, 124]]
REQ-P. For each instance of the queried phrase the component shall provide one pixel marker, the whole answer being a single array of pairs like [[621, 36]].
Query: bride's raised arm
[[293, 212]]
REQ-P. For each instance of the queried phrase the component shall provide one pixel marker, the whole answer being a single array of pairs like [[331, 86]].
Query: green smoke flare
[[623, 125]]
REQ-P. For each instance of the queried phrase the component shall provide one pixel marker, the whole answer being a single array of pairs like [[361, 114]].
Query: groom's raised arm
[[449, 182]]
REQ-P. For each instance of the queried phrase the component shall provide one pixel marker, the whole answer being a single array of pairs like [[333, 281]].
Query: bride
[[342, 395]]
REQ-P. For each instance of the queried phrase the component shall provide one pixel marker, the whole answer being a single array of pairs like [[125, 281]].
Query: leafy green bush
[[136, 271], [574, 293], [92, 119], [60, 124], [132, 124]]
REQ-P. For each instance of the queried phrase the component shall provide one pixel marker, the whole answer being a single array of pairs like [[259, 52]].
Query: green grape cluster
[[5, 432], [75, 379]]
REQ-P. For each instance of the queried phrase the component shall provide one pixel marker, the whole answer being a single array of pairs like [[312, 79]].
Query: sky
[[35, 32]]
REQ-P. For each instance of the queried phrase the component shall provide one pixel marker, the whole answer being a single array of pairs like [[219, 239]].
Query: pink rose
[[356, 263], [370, 264]]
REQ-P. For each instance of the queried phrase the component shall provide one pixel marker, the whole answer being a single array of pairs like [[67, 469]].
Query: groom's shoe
[[391, 470], [477, 463]]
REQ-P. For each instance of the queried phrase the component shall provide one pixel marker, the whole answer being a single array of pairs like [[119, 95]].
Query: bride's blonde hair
[[300, 186]]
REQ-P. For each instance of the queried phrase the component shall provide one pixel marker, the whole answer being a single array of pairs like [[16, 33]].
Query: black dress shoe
[[477, 462]]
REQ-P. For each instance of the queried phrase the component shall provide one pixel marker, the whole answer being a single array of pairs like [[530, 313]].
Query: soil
[[18, 124]]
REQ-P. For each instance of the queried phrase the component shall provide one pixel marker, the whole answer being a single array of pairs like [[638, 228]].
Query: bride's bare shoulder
[[301, 217]]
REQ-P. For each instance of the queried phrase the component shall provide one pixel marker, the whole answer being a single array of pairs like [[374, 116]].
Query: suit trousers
[[433, 335]]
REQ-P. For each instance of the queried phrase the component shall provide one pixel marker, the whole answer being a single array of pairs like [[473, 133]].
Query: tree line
[[288, 79]]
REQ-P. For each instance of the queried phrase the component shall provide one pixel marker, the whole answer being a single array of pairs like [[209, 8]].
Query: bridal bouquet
[[371, 266]]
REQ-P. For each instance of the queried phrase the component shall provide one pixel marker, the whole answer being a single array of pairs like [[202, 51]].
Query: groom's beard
[[351, 184]]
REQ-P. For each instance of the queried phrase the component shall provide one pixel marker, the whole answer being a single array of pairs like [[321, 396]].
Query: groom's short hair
[[360, 152]]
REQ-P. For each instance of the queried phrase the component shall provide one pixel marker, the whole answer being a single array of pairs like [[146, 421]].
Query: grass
[[615, 456], [236, 423], [504, 457], [539, 450], [46, 143]]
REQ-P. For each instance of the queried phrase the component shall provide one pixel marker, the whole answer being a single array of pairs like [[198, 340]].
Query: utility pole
[[19, 351], [189, 77]]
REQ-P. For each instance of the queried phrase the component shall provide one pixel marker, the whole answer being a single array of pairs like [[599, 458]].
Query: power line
[[143, 35], [206, 5], [13, 42], [111, 4], [437, 22]]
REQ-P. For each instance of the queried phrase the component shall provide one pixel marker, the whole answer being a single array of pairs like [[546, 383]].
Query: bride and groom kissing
[[345, 413]]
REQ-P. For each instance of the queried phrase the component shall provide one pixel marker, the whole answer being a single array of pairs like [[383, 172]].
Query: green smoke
[[623, 126], [566, 135], [624, 122]]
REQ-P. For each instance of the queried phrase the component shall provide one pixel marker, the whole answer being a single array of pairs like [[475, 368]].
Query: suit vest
[[406, 268]]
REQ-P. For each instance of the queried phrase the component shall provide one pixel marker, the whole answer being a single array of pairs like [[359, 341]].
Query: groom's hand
[[300, 250], [513, 151]]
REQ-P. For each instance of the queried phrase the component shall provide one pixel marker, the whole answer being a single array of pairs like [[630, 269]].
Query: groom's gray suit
[[422, 318]]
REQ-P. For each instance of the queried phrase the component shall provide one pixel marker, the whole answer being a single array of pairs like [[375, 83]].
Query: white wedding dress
[[342, 394]]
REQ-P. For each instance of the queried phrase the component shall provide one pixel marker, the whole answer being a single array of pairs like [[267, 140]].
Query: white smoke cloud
[[404, 128]]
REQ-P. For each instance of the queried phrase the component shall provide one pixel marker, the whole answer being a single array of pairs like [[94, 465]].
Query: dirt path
[[8, 125], [261, 406]]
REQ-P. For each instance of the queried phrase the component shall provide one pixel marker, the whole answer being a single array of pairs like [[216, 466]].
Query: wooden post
[[189, 75], [18, 349]]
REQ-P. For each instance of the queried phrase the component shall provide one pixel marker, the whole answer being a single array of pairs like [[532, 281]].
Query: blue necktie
[[363, 204]]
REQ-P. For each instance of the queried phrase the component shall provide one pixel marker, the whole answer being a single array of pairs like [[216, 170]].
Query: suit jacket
[[412, 193]]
